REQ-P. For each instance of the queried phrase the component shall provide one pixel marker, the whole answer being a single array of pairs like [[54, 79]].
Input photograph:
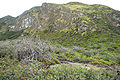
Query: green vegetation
[[76, 6], [13, 70], [10, 35], [60, 42], [100, 48]]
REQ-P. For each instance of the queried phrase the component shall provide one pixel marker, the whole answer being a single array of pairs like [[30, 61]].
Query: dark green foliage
[[2, 24], [6, 21], [10, 35]]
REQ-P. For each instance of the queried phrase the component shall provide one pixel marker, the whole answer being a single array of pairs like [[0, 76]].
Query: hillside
[[60, 34]]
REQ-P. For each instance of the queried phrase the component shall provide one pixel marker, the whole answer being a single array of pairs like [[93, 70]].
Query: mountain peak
[[67, 16]]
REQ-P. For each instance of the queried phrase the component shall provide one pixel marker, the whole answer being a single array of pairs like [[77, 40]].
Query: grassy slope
[[98, 47]]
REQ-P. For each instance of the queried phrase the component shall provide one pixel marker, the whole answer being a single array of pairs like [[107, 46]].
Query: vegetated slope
[[5, 22], [93, 29], [55, 17], [5, 33], [76, 17], [32, 59], [55, 33]]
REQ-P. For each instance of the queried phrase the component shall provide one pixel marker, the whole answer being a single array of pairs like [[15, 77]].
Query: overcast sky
[[17, 7]]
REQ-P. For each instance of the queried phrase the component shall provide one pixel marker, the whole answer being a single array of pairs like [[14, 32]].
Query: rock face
[[73, 15]]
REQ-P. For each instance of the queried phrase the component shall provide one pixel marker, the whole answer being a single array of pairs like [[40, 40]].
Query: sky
[[17, 7]]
